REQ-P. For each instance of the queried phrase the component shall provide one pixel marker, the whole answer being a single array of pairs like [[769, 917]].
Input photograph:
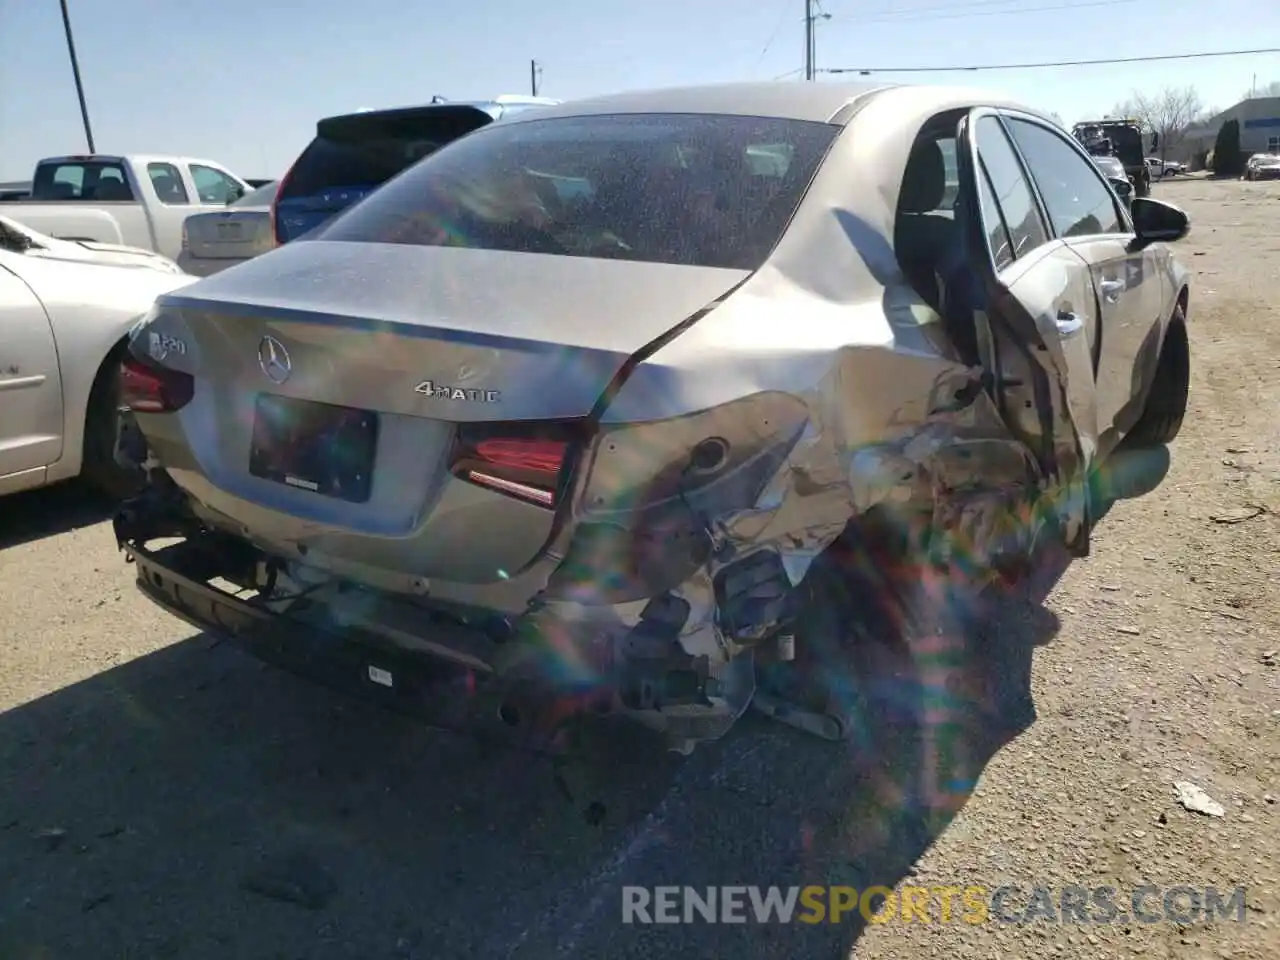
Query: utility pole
[[812, 14], [75, 70], [808, 40], [534, 72]]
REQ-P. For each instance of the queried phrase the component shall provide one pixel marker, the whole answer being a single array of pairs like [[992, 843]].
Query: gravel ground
[[165, 796]]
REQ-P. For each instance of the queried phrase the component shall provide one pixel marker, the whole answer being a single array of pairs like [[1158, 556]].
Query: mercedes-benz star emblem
[[273, 358]]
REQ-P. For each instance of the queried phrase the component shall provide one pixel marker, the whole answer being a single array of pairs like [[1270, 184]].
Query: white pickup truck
[[138, 201]]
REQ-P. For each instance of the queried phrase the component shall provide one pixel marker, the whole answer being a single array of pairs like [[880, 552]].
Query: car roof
[[791, 100]]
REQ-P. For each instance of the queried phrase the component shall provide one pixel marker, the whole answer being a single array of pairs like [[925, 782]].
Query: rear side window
[[1020, 229], [365, 150], [101, 180], [168, 184], [700, 190]]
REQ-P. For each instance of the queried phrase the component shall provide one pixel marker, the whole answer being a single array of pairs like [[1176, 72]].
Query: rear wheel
[[99, 467], [1161, 419]]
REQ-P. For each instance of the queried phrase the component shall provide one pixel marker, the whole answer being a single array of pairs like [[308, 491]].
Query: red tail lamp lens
[[150, 389], [529, 467]]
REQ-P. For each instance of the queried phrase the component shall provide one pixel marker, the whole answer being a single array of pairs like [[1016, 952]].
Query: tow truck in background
[[1121, 139]]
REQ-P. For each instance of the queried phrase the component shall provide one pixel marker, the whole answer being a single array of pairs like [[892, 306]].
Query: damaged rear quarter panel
[[870, 407]]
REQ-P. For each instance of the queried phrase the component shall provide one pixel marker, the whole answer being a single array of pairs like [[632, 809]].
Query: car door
[[30, 386], [1039, 322], [1131, 293]]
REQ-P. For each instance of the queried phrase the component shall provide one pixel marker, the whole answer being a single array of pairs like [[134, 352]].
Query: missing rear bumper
[[348, 661]]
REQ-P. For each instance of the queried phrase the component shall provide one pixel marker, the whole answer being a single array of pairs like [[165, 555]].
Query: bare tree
[[1271, 89], [1169, 114]]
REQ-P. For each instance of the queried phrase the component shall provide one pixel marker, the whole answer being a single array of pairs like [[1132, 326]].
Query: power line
[[1052, 63], [912, 11], [901, 16], [777, 29]]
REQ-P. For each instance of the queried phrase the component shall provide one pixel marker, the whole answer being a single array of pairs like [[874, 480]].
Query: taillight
[[150, 389], [275, 204], [527, 461]]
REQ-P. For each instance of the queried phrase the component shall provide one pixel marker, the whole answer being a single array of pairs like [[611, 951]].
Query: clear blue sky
[[243, 81]]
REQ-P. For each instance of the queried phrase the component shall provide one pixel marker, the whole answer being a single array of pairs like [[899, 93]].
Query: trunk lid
[[234, 234], [501, 338]]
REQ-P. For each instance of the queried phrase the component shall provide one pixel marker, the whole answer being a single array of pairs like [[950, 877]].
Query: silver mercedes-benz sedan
[[604, 408]]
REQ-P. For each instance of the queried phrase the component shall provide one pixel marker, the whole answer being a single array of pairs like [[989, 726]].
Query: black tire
[[99, 468], [1161, 419]]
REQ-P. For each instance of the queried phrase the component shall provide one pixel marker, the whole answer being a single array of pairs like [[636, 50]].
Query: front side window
[[1074, 193], [213, 186], [1018, 228], [698, 190]]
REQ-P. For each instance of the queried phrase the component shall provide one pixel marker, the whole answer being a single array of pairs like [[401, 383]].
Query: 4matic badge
[[444, 391]]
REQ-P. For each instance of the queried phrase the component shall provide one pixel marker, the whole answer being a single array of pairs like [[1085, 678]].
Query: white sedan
[[65, 312], [211, 242]]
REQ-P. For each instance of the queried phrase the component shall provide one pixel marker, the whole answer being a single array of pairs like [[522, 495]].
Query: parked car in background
[[1164, 168], [140, 200], [352, 155], [18, 236], [1262, 166], [626, 405], [215, 241], [65, 312]]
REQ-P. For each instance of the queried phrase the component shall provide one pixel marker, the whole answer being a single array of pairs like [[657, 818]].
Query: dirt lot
[[166, 796]]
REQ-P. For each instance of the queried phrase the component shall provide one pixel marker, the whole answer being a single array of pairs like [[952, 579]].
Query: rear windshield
[[368, 149], [103, 180], [692, 189]]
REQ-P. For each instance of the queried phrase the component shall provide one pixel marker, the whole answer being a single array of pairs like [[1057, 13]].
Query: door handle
[[1068, 323], [1111, 290]]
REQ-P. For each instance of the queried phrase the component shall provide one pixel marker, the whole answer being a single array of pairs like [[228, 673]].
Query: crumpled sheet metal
[[953, 456]]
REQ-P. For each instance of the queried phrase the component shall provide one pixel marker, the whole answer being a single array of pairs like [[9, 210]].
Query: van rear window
[[368, 149]]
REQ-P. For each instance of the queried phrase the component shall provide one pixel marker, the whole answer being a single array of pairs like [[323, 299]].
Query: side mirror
[[1155, 221], [234, 194]]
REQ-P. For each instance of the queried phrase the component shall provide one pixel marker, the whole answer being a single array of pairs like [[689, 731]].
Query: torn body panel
[[842, 448]]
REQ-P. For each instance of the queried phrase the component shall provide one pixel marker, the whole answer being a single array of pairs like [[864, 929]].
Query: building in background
[[1259, 119]]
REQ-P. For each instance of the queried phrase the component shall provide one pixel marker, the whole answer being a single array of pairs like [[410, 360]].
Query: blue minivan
[[354, 154]]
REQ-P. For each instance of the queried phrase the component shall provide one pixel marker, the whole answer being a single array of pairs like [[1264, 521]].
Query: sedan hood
[[89, 251], [95, 281], [112, 254]]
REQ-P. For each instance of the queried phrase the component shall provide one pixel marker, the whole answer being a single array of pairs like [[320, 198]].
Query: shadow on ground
[[36, 514], [195, 803]]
